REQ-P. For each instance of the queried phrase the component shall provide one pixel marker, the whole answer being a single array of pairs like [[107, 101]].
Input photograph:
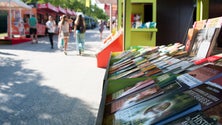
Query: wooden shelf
[[144, 30]]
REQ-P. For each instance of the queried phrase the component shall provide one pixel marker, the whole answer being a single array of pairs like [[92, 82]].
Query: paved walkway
[[42, 86]]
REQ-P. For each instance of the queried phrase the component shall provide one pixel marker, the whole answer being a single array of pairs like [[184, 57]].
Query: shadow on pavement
[[23, 101]]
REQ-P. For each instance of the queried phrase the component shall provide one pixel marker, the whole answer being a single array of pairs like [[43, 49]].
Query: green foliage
[[76, 5]]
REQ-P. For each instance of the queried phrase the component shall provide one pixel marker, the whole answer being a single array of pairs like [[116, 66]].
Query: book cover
[[202, 42], [123, 74], [214, 22], [214, 42], [200, 75], [178, 67], [158, 111], [207, 95], [128, 90], [217, 82], [135, 74], [200, 24], [190, 36], [215, 112], [153, 72], [161, 80], [194, 118], [114, 68], [208, 59], [133, 99], [123, 69], [145, 94]]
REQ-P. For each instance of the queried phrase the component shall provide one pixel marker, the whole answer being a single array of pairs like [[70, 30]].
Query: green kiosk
[[138, 19]]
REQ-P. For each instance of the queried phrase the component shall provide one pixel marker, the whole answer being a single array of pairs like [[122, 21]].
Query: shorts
[[33, 31], [65, 34]]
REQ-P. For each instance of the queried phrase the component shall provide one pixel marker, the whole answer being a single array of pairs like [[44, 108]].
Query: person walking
[[101, 28], [79, 33], [33, 29], [64, 32], [51, 26]]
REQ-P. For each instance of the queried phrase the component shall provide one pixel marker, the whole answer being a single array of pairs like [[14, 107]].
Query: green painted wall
[[132, 36]]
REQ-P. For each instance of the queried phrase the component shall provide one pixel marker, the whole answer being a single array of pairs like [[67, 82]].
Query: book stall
[[167, 84]]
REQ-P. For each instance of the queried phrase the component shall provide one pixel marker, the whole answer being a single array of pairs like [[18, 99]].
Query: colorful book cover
[[208, 59], [200, 75], [135, 75], [159, 111], [194, 118], [207, 95], [145, 94], [114, 67], [129, 90], [123, 69], [217, 82], [190, 36]]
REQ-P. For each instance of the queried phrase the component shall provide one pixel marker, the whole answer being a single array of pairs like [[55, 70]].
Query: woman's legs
[[80, 42], [65, 44]]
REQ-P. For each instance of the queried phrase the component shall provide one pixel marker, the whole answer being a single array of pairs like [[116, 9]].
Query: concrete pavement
[[42, 86]]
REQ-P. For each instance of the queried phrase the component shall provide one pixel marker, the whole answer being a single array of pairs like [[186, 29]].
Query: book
[[207, 95], [160, 80], [208, 59], [194, 118], [145, 94], [190, 36], [178, 67], [159, 111], [200, 24], [200, 75], [123, 92], [214, 22], [212, 47], [217, 82], [215, 112], [202, 42], [135, 74]]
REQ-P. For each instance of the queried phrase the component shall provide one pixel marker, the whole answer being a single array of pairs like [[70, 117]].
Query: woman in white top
[[51, 25], [64, 32]]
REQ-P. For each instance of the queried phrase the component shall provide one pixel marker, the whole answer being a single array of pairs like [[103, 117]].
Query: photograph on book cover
[[162, 109]]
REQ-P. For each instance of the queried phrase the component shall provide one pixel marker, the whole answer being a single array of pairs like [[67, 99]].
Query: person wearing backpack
[[79, 33]]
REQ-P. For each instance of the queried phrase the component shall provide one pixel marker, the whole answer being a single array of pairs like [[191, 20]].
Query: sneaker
[[65, 52]]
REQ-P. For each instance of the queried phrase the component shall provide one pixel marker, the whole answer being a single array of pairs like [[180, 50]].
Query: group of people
[[63, 31]]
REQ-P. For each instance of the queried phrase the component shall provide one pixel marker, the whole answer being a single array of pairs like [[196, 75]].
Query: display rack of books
[[137, 79], [165, 84]]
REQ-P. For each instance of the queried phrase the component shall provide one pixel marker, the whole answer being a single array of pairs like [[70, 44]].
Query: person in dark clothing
[[51, 25]]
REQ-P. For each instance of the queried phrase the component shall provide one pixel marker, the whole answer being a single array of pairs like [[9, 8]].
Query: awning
[[61, 10], [48, 7], [69, 12], [74, 13], [12, 4]]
